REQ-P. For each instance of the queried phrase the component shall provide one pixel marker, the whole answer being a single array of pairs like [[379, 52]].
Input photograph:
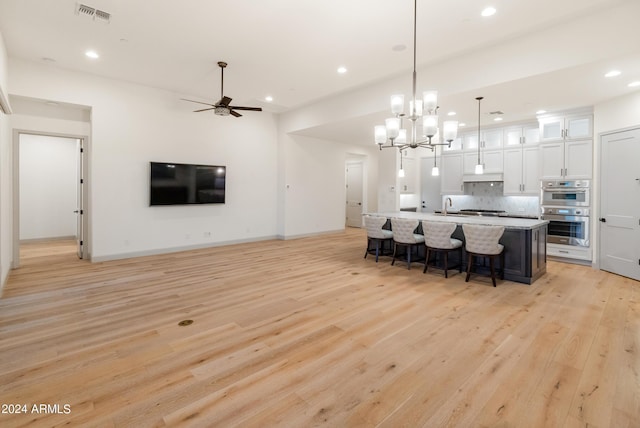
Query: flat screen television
[[185, 184]]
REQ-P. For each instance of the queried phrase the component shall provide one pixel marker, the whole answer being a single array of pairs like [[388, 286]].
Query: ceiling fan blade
[[247, 108], [199, 102], [234, 113], [204, 109], [224, 101]]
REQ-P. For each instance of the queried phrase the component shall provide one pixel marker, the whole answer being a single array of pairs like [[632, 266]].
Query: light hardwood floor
[[306, 333]]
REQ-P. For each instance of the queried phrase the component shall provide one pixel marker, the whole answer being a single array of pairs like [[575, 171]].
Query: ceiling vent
[[498, 112], [93, 13]]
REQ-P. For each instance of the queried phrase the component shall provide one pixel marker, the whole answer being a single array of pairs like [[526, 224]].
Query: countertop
[[507, 222]]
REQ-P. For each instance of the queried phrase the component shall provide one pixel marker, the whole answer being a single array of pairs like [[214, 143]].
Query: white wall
[[48, 181], [6, 205], [133, 125]]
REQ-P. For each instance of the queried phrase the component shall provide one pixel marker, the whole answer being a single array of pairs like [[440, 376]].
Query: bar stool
[[482, 241], [404, 236], [377, 235], [437, 238]]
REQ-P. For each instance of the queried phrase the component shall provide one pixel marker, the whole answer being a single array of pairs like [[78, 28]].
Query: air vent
[[93, 13], [498, 112]]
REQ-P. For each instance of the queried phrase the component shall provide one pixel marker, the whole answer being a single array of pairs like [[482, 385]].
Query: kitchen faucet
[[444, 209]]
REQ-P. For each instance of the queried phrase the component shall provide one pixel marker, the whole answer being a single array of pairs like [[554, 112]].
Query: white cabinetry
[[559, 128], [491, 159], [408, 183], [451, 175], [514, 136], [566, 159], [489, 139], [521, 170]]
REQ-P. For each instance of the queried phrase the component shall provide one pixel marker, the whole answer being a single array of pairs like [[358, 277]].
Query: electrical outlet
[[207, 234]]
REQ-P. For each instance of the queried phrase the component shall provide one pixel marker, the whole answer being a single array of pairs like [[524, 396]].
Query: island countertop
[[507, 222]]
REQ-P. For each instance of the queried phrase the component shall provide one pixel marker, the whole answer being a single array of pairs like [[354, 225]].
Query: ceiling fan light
[[222, 111]]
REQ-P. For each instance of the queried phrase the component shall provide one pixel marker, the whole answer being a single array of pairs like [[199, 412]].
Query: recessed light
[[399, 48], [47, 59], [613, 73], [488, 11], [461, 124], [92, 54], [342, 70], [268, 98], [497, 119], [634, 84], [451, 113], [541, 112]]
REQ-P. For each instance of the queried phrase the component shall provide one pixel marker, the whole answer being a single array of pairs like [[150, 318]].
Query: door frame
[[597, 212], [83, 166]]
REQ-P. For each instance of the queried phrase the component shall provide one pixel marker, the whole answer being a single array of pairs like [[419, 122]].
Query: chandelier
[[425, 110]]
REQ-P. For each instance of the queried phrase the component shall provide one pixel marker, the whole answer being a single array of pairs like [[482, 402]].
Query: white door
[[80, 208], [620, 204], [354, 194]]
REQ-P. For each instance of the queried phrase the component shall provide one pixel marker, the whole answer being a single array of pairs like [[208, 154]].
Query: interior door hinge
[[81, 150], [81, 242], [81, 181]]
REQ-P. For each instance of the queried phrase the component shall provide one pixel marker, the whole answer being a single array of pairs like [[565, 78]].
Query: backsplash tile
[[489, 196]]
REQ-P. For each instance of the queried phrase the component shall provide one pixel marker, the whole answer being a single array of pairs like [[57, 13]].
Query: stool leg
[[377, 249], [409, 248], [446, 263], [460, 259], [367, 250], [493, 272], [502, 265], [426, 260], [395, 249], [469, 267]]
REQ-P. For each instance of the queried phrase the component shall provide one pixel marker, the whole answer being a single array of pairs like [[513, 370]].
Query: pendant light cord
[[479, 99]]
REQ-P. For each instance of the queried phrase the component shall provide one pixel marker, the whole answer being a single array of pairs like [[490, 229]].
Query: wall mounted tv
[[185, 184]]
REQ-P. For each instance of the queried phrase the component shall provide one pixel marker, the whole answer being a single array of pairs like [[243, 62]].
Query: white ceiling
[[290, 49]]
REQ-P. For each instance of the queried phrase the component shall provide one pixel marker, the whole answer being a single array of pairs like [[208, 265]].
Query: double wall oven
[[565, 204]]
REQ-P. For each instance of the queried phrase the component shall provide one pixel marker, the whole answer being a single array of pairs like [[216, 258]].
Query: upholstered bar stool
[[404, 236], [482, 241], [437, 238], [378, 236]]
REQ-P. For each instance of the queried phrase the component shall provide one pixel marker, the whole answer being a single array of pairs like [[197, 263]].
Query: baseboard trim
[[309, 235], [53, 238], [154, 252]]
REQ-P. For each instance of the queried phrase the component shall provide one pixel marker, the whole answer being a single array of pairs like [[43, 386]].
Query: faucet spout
[[444, 209]]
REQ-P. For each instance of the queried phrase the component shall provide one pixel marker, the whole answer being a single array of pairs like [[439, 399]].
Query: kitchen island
[[524, 240]]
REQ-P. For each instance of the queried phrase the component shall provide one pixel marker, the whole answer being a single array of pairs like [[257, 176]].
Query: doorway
[[49, 193], [354, 173], [620, 203]]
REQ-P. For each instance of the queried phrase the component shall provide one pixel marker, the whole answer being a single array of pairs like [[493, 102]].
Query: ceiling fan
[[222, 107]]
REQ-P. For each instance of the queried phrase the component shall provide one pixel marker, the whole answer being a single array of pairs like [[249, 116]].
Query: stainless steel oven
[[567, 225], [568, 193]]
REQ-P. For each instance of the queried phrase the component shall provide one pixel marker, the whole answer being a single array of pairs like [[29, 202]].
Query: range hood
[[480, 178]]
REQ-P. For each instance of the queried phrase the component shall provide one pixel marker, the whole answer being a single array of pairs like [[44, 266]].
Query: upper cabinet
[[566, 160], [558, 128], [489, 139], [515, 136]]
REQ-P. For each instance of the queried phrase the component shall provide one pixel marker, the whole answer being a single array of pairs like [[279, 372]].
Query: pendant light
[[435, 171], [479, 166]]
